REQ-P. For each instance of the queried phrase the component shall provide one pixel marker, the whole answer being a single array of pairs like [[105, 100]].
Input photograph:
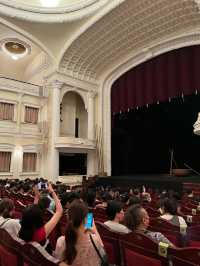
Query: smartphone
[[44, 186], [89, 221]]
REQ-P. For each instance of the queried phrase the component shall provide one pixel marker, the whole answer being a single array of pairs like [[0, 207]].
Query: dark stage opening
[[142, 138], [72, 164]]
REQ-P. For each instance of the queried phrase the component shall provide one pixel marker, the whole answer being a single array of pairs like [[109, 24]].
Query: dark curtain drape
[[167, 76]]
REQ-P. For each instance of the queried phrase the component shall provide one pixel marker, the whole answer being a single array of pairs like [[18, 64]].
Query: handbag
[[104, 258]]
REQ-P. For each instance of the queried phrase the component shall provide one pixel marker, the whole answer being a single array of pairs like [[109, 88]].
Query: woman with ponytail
[[76, 247]]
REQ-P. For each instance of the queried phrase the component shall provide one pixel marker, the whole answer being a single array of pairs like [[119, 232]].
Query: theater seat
[[132, 258], [34, 254], [7, 258], [111, 243], [10, 249]]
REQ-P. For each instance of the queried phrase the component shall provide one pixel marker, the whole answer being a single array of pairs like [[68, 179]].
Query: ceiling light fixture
[[14, 57], [15, 48], [50, 3]]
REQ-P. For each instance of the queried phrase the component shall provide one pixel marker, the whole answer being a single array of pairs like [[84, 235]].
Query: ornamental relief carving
[[65, 11], [126, 31]]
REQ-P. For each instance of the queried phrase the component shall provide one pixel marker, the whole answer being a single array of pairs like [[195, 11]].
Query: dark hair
[[169, 206], [134, 200], [76, 213], [113, 208], [90, 198], [133, 217], [64, 198], [6, 206], [32, 219], [44, 203]]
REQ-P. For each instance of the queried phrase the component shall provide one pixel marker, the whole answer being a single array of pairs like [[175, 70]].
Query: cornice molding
[[8, 84], [71, 81], [70, 12]]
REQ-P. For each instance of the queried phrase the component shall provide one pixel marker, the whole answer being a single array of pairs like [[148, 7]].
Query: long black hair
[[77, 213], [32, 219]]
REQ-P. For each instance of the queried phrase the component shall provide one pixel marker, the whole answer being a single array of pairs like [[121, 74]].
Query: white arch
[[105, 93], [28, 36], [65, 90]]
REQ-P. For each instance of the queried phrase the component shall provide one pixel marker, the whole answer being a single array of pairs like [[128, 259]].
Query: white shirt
[[168, 217], [12, 226], [117, 227]]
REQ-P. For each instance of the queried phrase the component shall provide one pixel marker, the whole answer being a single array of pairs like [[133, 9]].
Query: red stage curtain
[[169, 75]]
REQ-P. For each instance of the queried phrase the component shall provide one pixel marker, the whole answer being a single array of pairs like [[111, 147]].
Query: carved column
[[91, 115], [54, 113]]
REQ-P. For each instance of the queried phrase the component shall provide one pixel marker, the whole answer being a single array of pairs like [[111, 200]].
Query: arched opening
[[162, 90], [73, 116]]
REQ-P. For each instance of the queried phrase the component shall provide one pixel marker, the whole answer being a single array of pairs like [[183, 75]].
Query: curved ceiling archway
[[132, 27], [50, 11]]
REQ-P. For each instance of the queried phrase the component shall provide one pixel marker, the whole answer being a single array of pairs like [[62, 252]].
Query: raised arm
[[50, 225], [36, 194]]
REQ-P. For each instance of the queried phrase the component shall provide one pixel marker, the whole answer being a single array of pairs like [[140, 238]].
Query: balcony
[[75, 143]]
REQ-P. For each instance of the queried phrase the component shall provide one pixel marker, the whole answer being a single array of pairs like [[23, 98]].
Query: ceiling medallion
[[50, 11], [15, 48]]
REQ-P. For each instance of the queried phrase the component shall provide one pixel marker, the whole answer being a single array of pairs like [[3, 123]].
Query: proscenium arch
[[29, 37], [105, 93]]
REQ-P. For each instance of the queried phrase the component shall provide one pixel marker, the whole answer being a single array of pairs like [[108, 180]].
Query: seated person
[[105, 197], [137, 220], [168, 209], [6, 217], [116, 215], [76, 247], [32, 225]]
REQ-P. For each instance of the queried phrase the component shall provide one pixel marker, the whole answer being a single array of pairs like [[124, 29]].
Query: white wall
[[72, 108]]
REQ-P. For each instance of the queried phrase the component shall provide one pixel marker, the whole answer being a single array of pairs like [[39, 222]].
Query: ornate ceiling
[[130, 28], [24, 68], [50, 11]]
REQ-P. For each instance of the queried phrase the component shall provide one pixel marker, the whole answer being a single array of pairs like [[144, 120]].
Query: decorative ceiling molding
[[72, 82], [36, 13], [39, 64], [28, 37], [127, 30]]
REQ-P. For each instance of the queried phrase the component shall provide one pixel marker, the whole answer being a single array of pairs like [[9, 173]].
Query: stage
[[162, 181]]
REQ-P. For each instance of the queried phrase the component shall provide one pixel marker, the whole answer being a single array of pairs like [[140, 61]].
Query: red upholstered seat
[[191, 254], [34, 255], [9, 250], [132, 258], [7, 258], [111, 243]]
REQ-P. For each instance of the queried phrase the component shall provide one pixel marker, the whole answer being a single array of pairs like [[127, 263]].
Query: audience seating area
[[122, 249]]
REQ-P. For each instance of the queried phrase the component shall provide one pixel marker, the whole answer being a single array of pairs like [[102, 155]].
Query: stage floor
[[161, 181]]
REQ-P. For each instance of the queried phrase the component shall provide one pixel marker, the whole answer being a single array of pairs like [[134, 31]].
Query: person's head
[[77, 218], [133, 201], [7, 208], [32, 219], [90, 198], [115, 211], [169, 206], [136, 217], [44, 203], [106, 197], [26, 188], [65, 200]]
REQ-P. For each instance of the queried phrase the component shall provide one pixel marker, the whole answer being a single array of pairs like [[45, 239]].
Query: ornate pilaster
[[54, 110], [91, 115]]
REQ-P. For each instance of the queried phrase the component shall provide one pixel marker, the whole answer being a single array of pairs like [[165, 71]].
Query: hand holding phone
[[89, 221]]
